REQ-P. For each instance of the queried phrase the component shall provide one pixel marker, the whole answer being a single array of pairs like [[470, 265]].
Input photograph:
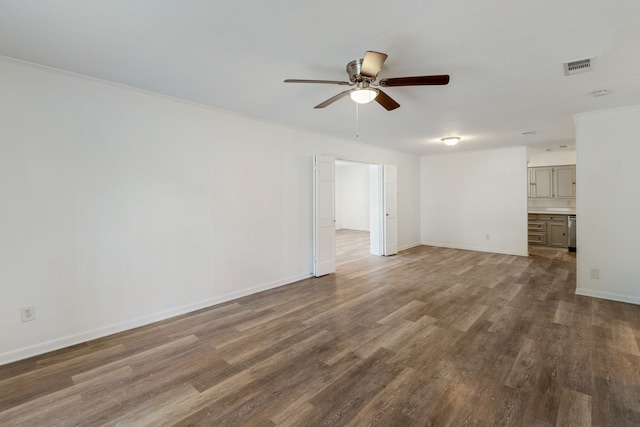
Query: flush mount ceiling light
[[363, 94], [450, 140]]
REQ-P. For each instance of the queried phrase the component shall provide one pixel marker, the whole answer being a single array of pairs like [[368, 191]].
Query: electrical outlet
[[488, 237], [595, 273], [28, 313]]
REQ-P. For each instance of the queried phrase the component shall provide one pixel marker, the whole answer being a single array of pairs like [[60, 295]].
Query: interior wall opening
[[357, 216]]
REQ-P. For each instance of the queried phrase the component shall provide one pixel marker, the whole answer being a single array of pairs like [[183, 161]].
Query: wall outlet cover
[[28, 313]]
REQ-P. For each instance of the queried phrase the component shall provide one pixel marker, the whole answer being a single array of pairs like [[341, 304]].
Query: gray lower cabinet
[[557, 234], [537, 231], [548, 230]]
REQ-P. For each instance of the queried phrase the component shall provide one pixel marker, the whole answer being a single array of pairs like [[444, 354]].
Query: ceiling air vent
[[575, 67]]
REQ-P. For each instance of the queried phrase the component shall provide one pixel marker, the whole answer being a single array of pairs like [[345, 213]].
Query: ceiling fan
[[362, 76]]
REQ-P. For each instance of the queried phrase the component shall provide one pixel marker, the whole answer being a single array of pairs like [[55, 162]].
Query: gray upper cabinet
[[541, 182], [552, 182], [564, 183]]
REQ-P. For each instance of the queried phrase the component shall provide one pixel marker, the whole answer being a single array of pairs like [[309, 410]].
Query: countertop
[[553, 211]]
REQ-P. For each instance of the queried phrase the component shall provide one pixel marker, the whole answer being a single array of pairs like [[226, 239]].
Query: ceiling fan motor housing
[[354, 69]]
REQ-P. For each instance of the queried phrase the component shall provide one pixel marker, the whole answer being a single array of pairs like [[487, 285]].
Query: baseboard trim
[[474, 248], [59, 343], [608, 296], [409, 246]]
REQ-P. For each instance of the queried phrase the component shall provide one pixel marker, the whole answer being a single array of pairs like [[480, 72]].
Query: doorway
[[382, 213], [354, 211]]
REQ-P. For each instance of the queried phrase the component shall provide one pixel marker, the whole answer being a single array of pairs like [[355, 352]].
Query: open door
[[324, 229], [376, 210], [390, 200]]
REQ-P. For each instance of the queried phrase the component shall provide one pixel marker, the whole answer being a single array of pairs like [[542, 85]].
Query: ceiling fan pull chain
[[357, 120]]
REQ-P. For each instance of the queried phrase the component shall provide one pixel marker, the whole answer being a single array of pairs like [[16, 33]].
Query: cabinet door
[[541, 182], [565, 182], [557, 234]]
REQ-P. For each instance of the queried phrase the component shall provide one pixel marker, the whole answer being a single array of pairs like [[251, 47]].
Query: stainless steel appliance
[[572, 233]]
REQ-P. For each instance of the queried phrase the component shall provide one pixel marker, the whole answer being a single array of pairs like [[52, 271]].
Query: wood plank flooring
[[431, 336], [352, 245]]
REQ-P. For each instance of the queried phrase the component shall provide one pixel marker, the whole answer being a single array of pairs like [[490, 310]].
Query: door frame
[[377, 213]]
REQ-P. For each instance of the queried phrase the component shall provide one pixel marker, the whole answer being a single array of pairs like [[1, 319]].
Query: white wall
[[608, 202], [121, 207], [352, 197], [538, 157], [469, 195], [339, 179]]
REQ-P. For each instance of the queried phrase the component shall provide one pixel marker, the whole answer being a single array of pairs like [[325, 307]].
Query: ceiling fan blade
[[386, 101], [329, 82], [332, 99], [372, 63], [415, 81]]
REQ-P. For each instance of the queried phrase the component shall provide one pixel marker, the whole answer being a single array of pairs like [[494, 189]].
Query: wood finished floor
[[352, 245], [431, 336]]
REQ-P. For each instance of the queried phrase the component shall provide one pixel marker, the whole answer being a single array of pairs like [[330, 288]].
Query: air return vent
[[575, 67]]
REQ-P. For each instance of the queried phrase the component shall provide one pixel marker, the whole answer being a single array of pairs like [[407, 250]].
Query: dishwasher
[[572, 233]]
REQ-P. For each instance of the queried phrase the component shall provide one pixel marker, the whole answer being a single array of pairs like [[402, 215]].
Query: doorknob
[[387, 214]]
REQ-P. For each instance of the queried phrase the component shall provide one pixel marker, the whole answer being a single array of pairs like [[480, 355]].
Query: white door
[[324, 237], [390, 178], [376, 210]]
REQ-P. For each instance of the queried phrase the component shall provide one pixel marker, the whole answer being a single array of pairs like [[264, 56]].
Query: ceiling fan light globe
[[363, 96]]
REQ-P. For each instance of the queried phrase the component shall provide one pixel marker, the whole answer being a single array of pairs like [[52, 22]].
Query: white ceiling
[[504, 57]]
